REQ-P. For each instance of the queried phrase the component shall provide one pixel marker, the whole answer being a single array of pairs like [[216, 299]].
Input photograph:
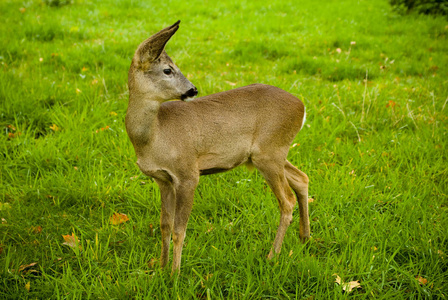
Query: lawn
[[375, 84]]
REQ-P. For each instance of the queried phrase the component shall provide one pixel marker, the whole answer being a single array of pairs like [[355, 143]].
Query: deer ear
[[151, 48]]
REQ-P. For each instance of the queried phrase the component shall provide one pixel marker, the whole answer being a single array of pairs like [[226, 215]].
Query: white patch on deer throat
[[188, 99]]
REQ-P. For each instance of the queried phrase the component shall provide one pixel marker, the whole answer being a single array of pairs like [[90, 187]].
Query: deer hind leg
[[277, 181], [184, 204], [168, 197], [299, 183]]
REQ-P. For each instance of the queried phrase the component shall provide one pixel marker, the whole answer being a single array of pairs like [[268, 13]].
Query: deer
[[176, 142]]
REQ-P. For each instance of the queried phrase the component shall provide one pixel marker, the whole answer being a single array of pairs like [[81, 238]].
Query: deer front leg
[[184, 204], [168, 199]]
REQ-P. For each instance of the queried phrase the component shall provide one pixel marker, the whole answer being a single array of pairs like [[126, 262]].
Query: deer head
[[153, 73]]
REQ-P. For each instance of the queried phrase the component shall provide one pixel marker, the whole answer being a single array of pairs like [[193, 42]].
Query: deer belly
[[213, 163]]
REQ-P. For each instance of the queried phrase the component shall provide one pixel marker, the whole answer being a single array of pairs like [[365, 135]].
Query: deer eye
[[167, 71]]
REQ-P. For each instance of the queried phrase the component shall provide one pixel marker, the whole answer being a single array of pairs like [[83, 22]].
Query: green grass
[[375, 151]]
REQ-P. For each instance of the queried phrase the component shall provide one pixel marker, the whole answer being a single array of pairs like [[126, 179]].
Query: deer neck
[[141, 118]]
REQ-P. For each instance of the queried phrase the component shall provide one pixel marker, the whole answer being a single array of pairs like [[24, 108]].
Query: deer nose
[[192, 92]]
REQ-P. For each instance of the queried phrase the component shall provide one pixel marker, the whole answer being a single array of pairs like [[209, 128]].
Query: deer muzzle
[[189, 94]]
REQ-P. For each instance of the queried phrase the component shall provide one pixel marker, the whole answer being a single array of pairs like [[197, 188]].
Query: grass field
[[375, 85]]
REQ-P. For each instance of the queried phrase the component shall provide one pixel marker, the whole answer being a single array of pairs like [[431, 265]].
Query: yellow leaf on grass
[[118, 218], [28, 286], [54, 127], [347, 286], [5, 206], [72, 241]]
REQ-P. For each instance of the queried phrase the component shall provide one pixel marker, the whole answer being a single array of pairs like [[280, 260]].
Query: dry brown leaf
[[26, 267], [347, 286], [152, 263], [36, 229], [421, 280], [392, 104], [118, 218], [72, 241]]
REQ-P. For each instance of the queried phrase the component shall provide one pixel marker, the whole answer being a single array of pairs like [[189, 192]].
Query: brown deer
[[177, 141]]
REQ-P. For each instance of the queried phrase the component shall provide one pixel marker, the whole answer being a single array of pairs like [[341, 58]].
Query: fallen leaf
[[22, 9], [36, 229], [118, 218], [152, 263], [72, 241], [421, 280], [391, 104], [347, 286], [290, 253], [26, 267], [207, 278], [5, 206], [28, 286], [54, 127], [310, 200], [230, 83]]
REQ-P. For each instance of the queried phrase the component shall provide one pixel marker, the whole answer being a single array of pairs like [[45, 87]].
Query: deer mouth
[[189, 95]]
